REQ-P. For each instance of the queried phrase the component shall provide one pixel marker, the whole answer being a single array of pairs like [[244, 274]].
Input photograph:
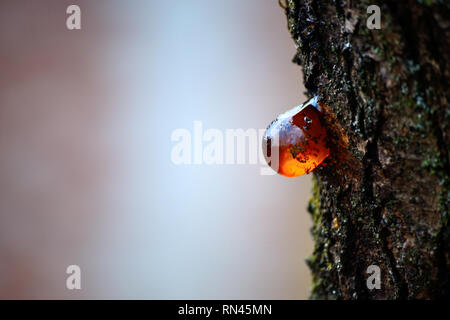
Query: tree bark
[[382, 197]]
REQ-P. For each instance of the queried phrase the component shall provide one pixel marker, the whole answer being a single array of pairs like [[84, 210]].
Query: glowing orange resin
[[299, 139]]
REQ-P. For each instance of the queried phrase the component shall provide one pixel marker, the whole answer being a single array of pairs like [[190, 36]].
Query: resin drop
[[295, 143]]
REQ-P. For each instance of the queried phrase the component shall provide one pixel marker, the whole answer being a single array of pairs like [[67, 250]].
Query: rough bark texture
[[382, 197]]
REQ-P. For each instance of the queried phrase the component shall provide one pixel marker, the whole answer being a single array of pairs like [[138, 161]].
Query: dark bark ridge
[[388, 90]]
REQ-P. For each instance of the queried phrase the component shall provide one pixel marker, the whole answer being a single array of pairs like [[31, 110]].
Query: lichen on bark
[[387, 88]]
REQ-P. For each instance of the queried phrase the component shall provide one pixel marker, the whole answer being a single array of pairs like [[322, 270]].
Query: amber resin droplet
[[295, 143]]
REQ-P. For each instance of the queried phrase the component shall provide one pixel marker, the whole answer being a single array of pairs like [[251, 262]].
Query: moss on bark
[[388, 90]]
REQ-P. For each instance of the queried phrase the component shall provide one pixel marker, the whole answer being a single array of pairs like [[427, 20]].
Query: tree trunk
[[382, 197]]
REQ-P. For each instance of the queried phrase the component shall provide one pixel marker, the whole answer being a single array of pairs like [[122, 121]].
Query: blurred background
[[86, 118]]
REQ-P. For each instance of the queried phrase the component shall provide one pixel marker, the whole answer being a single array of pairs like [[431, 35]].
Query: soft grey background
[[85, 124]]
